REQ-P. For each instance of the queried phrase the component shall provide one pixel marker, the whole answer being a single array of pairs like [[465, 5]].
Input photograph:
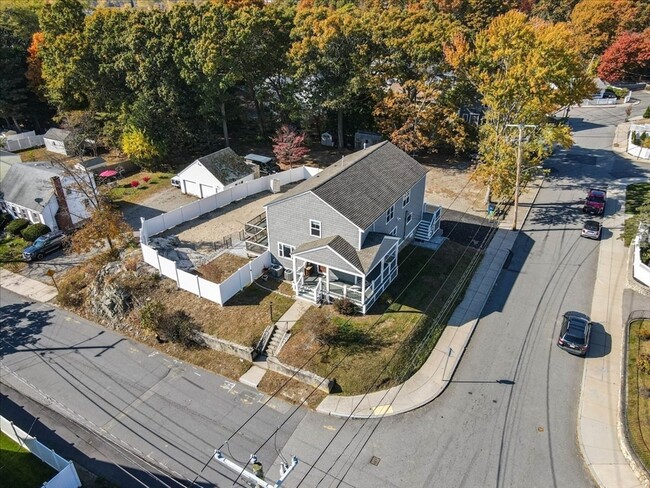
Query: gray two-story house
[[339, 232]]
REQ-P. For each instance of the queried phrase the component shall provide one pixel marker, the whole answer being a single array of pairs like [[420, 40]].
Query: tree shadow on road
[[21, 326]]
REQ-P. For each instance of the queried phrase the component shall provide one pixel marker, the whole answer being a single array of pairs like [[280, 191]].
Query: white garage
[[214, 173]]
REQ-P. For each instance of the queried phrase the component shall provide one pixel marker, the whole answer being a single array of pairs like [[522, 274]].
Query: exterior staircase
[[278, 338], [424, 232]]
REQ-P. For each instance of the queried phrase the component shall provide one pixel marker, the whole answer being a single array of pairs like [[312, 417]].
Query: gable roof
[[56, 134], [363, 184], [25, 182], [226, 165], [363, 260]]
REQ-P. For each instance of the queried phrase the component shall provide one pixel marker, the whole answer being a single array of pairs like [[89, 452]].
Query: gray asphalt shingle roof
[[57, 134], [226, 165], [364, 184], [25, 182], [361, 260]]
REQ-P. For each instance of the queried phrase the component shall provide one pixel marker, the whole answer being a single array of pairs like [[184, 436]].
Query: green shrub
[[646, 114], [5, 218], [16, 226], [151, 314], [34, 231], [345, 306]]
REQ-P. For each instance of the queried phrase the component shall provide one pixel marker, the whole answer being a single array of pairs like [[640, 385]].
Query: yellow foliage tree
[[137, 146]]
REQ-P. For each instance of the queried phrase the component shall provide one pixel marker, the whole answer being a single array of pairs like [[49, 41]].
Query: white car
[[176, 181]]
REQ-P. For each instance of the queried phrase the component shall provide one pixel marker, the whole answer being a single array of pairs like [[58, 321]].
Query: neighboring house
[[9, 157], [338, 233], [42, 192], [54, 140], [214, 173]]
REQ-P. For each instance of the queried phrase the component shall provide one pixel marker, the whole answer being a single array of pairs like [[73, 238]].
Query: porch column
[[294, 276], [327, 279], [363, 291]]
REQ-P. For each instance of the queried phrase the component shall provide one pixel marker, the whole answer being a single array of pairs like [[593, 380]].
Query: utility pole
[[521, 128], [257, 476]]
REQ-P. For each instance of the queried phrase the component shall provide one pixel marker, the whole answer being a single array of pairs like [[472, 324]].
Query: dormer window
[[390, 213], [314, 228]]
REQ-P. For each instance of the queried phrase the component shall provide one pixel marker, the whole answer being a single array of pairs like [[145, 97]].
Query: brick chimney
[[63, 217]]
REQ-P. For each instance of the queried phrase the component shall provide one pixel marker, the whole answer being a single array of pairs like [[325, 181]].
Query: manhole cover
[[374, 461]]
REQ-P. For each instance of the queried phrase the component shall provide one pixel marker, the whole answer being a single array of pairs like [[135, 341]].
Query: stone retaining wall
[[228, 347], [311, 379]]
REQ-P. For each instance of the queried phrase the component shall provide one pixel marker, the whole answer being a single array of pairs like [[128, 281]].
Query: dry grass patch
[[638, 390], [290, 390], [386, 346], [241, 320], [208, 359], [222, 267]]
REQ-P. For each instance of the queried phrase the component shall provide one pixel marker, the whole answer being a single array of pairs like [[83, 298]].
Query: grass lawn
[[20, 467], [638, 390], [11, 252], [242, 319], [222, 267], [386, 346], [634, 197], [124, 192]]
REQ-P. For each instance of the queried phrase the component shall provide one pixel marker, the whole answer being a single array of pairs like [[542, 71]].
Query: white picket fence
[[24, 140], [217, 292], [67, 476]]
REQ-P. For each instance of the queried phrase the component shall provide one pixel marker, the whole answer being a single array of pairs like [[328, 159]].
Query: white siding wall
[[79, 209], [45, 216], [196, 175], [55, 146]]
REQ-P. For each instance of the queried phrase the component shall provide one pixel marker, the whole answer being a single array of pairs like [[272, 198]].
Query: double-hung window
[[314, 228], [284, 250], [409, 217], [406, 198], [390, 213]]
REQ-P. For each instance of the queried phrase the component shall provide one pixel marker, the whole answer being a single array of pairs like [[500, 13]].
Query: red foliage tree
[[628, 58], [289, 145], [34, 73]]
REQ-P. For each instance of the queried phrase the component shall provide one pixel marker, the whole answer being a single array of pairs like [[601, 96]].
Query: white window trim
[[311, 228], [390, 212], [406, 199], [394, 232], [281, 245], [409, 217]]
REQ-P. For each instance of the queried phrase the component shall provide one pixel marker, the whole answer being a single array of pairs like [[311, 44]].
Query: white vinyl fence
[[67, 476], [216, 292], [24, 140], [640, 271], [633, 149], [193, 210]]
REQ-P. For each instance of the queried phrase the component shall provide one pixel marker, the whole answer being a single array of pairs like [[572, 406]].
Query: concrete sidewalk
[[600, 432], [27, 287]]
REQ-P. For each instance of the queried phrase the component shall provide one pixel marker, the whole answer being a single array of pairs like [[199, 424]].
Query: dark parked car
[[574, 334], [44, 245], [591, 229]]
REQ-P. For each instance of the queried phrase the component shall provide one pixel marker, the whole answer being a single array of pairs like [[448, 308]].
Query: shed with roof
[[215, 173], [55, 141]]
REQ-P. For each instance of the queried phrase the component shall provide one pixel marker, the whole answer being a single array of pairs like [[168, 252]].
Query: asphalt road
[[161, 418], [509, 417]]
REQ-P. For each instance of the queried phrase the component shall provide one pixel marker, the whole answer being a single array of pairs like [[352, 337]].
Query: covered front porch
[[321, 282]]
